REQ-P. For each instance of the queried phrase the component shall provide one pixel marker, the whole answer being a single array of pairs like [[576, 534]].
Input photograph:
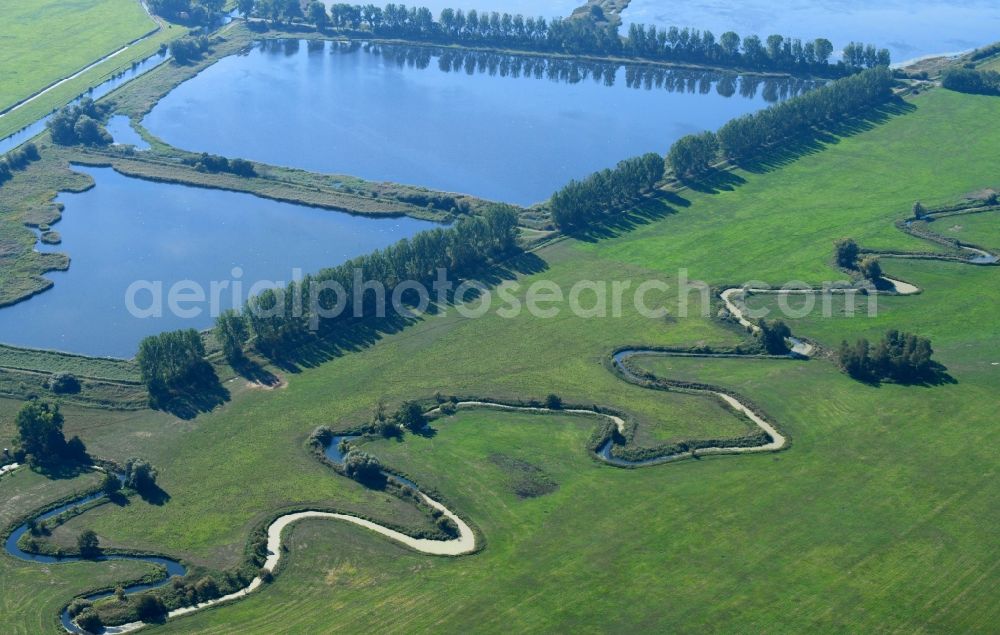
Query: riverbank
[[90, 73]]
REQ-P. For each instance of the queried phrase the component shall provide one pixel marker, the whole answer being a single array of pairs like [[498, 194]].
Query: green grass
[[36, 593], [979, 229], [54, 361], [47, 40], [881, 516]]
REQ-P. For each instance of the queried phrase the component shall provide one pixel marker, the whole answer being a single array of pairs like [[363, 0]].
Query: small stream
[[173, 567], [139, 68], [333, 453], [605, 450]]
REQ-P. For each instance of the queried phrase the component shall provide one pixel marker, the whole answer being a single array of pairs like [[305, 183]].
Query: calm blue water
[[126, 230], [399, 117], [123, 133], [908, 28]]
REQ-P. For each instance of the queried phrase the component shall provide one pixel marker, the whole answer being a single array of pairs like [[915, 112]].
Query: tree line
[[170, 361], [80, 123], [901, 357], [575, 71], [578, 34], [280, 319], [581, 203], [17, 159], [752, 134], [776, 52], [967, 80], [188, 11], [214, 163]]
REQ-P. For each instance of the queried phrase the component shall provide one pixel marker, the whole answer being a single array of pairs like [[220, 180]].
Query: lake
[[908, 28], [505, 128], [125, 229]]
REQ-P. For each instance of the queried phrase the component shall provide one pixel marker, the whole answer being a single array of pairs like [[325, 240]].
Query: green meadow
[[881, 516], [85, 31]]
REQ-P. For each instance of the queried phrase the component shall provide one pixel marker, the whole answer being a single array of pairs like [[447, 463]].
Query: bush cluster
[[189, 49], [17, 159], [81, 124], [40, 437], [215, 163], [902, 357], [967, 80]]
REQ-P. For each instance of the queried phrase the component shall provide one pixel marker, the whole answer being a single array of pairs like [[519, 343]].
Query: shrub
[[78, 606], [150, 608], [140, 475], [411, 416], [111, 484], [188, 49], [870, 268], [89, 544], [553, 402], [321, 437], [847, 253], [362, 466], [80, 124], [90, 621], [266, 576], [63, 383], [772, 336], [40, 436], [207, 588], [447, 525]]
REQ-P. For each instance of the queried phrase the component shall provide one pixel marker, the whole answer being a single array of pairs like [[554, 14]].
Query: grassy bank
[[84, 31], [39, 593], [55, 361]]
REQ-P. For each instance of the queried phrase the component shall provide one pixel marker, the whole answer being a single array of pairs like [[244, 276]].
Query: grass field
[[81, 30], [53, 361], [882, 516], [35, 593], [979, 229]]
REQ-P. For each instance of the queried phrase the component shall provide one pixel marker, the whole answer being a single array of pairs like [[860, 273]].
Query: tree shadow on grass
[[60, 471], [154, 495], [715, 181], [201, 392], [119, 499], [643, 212], [426, 432], [815, 140], [355, 334], [252, 371], [936, 375]]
